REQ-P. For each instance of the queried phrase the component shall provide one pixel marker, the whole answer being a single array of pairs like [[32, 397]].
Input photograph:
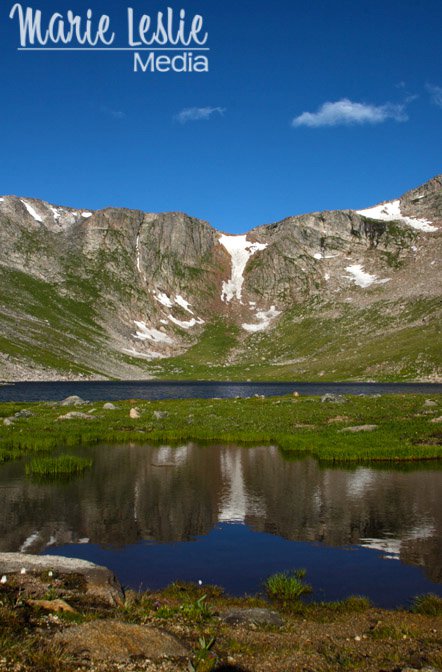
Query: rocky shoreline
[[64, 614]]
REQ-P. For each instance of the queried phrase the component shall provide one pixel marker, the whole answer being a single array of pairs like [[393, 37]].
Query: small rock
[[134, 413], [338, 418], [73, 400], [110, 407], [437, 420], [119, 642], [76, 415], [52, 605], [160, 415], [252, 617], [8, 422], [359, 428], [23, 414], [429, 403], [333, 398]]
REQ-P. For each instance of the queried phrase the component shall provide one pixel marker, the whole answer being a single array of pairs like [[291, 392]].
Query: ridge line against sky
[[306, 107]]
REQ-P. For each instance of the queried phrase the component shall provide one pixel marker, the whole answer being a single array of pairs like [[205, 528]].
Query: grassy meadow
[[406, 427]]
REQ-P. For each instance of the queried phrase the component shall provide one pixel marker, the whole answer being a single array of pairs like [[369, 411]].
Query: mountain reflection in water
[[163, 494]]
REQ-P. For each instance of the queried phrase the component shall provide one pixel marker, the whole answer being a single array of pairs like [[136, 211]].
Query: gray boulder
[[73, 400], [333, 398], [100, 581], [23, 414], [76, 415]]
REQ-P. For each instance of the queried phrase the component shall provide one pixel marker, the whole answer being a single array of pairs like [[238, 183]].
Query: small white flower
[[3, 579], [23, 570], [200, 583], [50, 573]]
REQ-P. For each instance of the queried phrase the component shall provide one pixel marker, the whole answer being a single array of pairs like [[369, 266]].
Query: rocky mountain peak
[[120, 292]]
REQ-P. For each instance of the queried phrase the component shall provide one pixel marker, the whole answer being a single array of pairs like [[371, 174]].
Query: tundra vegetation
[[345, 429]]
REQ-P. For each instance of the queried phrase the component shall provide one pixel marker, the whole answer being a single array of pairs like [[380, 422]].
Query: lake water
[[111, 390], [233, 516]]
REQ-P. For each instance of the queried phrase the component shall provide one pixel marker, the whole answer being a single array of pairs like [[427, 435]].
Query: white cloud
[[436, 94], [115, 114], [198, 113], [346, 112]]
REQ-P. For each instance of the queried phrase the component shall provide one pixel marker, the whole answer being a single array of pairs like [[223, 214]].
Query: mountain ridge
[[120, 293]]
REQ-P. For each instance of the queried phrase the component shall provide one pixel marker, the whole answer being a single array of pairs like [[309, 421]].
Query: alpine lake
[[232, 515]]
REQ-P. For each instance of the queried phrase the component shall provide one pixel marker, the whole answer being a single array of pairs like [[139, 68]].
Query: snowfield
[[361, 278], [31, 211], [391, 211], [264, 318], [146, 333], [240, 250]]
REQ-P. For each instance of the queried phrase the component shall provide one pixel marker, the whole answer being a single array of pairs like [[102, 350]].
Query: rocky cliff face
[[127, 294]]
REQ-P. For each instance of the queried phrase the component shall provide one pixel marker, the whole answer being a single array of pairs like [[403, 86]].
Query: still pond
[[232, 516]]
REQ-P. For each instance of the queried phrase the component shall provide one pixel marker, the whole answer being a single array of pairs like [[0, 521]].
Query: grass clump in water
[[287, 588], [63, 465], [429, 605]]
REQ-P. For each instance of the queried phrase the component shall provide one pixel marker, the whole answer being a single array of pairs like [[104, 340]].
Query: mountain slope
[[125, 294]]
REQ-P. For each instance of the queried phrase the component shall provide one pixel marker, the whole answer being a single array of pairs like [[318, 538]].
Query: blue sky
[[307, 106]]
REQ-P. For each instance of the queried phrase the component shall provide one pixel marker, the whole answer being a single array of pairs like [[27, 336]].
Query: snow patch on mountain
[[186, 325], [31, 211], [86, 215], [264, 318], [162, 298], [146, 333], [183, 303], [362, 278], [137, 245], [142, 355], [391, 211], [240, 250]]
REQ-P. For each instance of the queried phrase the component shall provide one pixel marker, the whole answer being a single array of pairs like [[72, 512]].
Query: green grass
[[298, 425], [429, 604], [62, 465], [287, 587], [316, 340]]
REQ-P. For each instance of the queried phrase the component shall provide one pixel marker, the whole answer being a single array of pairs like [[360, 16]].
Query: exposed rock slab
[[100, 582], [119, 642]]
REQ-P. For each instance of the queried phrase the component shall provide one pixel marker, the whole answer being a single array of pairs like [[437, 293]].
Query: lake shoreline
[[155, 390], [82, 620]]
